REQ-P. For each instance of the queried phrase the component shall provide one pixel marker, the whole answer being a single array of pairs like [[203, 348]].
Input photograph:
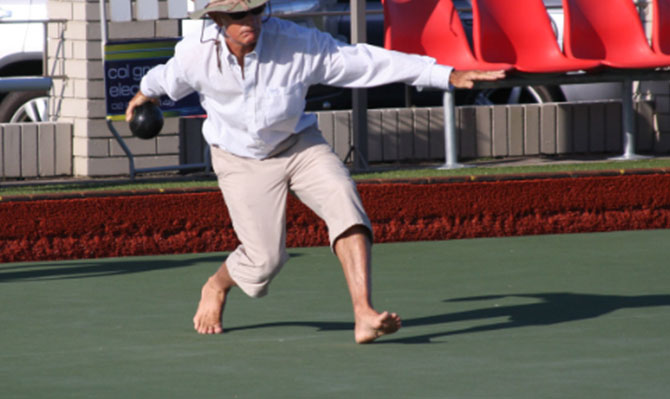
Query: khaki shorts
[[255, 193]]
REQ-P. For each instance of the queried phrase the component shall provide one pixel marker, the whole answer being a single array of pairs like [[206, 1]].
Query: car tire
[[515, 95], [24, 106]]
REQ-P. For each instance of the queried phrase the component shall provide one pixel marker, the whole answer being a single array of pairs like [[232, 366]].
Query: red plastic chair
[[661, 27], [433, 28], [519, 32], [611, 32]]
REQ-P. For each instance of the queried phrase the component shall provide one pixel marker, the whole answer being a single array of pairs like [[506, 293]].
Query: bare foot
[[207, 319], [373, 325]]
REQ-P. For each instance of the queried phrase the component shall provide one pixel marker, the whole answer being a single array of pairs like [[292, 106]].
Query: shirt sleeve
[[363, 65], [166, 79]]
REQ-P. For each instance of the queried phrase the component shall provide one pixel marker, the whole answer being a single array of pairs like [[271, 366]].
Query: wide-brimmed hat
[[227, 6]]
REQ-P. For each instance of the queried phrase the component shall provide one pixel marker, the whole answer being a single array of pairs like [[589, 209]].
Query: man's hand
[[466, 79], [136, 101]]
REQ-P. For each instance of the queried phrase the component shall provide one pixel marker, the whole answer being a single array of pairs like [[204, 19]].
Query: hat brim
[[201, 13], [226, 9]]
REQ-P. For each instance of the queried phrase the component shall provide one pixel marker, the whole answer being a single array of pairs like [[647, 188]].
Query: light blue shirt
[[250, 115]]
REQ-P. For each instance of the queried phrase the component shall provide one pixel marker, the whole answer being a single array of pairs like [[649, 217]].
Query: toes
[[390, 322], [205, 328], [209, 329]]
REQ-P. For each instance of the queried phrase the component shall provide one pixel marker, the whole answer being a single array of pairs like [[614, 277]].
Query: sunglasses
[[243, 14]]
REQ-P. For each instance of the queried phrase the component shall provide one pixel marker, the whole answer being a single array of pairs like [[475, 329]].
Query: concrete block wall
[[81, 96], [29, 150], [417, 134]]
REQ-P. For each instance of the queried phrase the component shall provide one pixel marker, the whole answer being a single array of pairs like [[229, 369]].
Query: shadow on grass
[[552, 308], [44, 271], [102, 268]]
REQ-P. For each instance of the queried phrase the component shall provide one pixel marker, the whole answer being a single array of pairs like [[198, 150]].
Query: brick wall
[[81, 95]]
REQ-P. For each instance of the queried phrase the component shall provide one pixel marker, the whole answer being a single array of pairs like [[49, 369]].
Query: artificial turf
[[551, 316]]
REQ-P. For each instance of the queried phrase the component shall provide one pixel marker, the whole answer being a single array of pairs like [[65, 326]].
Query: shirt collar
[[259, 43]]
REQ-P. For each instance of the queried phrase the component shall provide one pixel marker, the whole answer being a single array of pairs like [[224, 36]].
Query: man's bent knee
[[253, 273]]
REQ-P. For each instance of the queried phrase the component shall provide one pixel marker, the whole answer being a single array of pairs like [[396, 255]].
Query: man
[[252, 75]]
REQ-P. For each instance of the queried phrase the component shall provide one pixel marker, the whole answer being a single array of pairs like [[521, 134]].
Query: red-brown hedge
[[159, 223]]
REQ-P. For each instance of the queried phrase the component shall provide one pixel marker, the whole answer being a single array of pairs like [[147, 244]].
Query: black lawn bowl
[[147, 121]]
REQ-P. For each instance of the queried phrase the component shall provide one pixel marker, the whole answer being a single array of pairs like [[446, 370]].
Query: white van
[[21, 52]]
